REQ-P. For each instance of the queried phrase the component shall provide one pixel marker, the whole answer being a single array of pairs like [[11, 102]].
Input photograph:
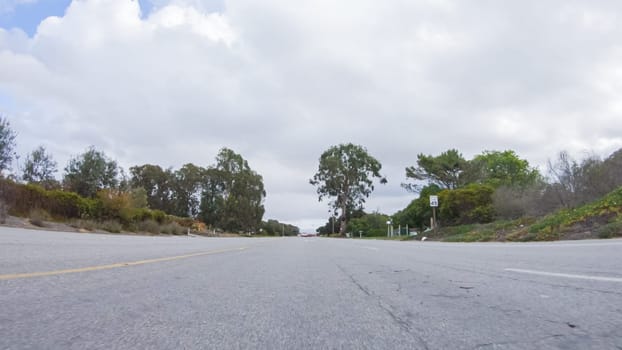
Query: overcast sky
[[172, 81]]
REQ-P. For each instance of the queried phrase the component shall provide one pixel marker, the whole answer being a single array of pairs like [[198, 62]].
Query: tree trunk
[[343, 220]]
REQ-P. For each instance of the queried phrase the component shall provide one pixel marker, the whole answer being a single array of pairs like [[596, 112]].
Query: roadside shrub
[[173, 228], [472, 236], [372, 225], [515, 202], [38, 217], [185, 222], [111, 203], [150, 226], [111, 226], [138, 197], [68, 205], [199, 226], [610, 230], [418, 213], [142, 214], [22, 198], [471, 204], [4, 211], [129, 216], [159, 216], [84, 224]]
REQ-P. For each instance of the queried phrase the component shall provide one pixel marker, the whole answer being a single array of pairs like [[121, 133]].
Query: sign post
[[434, 204]]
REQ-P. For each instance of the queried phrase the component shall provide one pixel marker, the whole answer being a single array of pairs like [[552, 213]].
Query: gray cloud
[[281, 81]]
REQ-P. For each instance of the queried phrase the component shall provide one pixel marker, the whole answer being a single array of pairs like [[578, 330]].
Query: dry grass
[[38, 217]]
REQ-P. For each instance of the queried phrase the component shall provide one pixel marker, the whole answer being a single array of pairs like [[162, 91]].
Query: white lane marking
[[567, 275], [370, 248]]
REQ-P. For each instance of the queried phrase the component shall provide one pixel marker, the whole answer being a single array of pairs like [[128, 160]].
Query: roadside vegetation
[[96, 194], [497, 196], [599, 219]]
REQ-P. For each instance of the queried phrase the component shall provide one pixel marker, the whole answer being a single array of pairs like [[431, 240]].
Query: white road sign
[[434, 201]]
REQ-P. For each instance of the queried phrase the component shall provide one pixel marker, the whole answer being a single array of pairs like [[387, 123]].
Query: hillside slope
[[599, 219]]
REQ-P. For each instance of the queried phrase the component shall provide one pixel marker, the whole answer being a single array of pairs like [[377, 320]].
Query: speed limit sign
[[434, 201]]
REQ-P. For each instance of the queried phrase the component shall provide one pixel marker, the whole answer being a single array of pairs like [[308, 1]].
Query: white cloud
[[9, 5], [280, 81]]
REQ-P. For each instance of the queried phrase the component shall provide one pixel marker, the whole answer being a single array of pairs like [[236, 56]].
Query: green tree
[[7, 144], [212, 197], [138, 197], [276, 228], [501, 169], [39, 168], [158, 184], [418, 212], [443, 170], [91, 172], [328, 227], [232, 194], [346, 173], [374, 224], [187, 190]]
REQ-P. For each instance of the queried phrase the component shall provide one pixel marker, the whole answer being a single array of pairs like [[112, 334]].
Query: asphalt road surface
[[93, 291]]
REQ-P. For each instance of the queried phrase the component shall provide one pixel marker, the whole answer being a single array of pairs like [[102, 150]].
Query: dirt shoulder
[[17, 222], [24, 223]]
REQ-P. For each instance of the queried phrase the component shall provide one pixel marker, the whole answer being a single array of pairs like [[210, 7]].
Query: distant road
[[92, 291]]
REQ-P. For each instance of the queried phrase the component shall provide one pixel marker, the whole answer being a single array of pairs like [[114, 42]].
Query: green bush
[[142, 214], [129, 216], [372, 225], [68, 205], [114, 210], [159, 216], [22, 198], [111, 203], [418, 213], [467, 205]]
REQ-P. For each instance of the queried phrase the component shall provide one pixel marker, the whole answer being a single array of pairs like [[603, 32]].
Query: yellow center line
[[114, 266]]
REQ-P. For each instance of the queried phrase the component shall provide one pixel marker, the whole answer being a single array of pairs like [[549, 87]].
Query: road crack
[[388, 309]]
